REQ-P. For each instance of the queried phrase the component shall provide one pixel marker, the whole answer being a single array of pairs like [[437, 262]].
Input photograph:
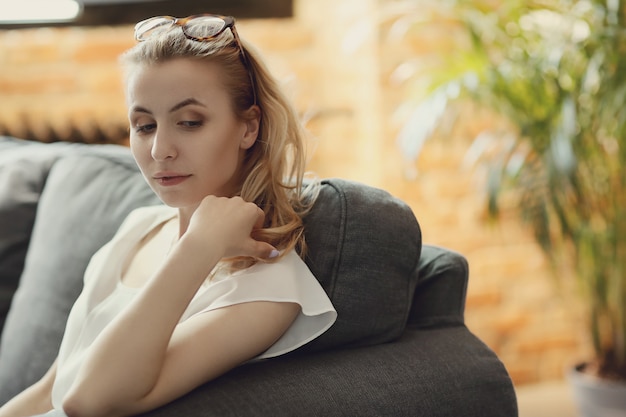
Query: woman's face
[[184, 134]]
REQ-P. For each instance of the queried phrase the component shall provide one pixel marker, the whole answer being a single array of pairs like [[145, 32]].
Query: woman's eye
[[190, 123], [145, 128]]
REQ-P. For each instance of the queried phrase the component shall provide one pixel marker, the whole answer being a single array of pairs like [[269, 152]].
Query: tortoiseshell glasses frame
[[199, 28]]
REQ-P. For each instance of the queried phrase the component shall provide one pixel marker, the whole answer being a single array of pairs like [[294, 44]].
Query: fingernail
[[274, 253]]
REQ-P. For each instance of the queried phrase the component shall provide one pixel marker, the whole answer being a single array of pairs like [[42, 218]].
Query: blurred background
[[363, 74]]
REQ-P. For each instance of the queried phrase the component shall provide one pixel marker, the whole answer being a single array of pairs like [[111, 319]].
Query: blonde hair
[[274, 167]]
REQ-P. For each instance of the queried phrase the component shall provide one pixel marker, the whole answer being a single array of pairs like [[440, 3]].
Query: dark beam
[[129, 13]]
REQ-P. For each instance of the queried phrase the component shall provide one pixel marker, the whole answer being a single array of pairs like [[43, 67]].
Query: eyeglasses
[[199, 28]]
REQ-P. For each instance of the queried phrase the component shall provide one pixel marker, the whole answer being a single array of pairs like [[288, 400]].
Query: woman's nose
[[163, 147]]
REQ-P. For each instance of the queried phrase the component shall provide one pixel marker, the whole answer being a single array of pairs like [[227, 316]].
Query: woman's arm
[[37, 399], [145, 358]]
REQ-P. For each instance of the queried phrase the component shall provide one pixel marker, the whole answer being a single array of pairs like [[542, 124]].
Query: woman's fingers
[[230, 222]]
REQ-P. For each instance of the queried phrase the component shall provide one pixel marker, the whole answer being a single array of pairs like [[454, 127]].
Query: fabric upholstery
[[439, 297], [24, 168], [366, 264], [436, 372]]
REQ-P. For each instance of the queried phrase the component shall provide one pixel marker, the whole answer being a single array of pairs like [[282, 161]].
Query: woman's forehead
[[176, 80]]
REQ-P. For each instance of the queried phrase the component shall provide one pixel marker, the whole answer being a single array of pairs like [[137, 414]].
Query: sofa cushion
[[441, 290], [364, 247], [86, 197], [24, 167]]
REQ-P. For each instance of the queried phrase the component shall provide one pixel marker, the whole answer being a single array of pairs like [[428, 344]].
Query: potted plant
[[556, 71]]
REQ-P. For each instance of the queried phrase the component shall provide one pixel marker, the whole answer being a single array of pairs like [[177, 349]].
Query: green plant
[[557, 71]]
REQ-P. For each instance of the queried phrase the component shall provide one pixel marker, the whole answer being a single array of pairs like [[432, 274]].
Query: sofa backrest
[[364, 248], [441, 290], [24, 167]]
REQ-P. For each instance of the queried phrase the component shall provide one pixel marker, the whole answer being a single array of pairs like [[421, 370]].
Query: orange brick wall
[[49, 77]]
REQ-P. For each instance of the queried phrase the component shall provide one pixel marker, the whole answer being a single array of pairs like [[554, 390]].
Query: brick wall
[[65, 84]]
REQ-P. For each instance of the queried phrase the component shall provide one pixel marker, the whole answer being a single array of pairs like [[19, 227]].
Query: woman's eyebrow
[[139, 109], [187, 102]]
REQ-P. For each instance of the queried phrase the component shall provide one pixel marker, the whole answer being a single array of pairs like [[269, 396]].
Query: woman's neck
[[184, 217]]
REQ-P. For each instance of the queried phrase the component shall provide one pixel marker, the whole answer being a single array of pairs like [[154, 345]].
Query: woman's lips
[[168, 180]]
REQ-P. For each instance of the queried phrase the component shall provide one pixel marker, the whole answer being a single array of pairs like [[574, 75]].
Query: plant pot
[[597, 397]]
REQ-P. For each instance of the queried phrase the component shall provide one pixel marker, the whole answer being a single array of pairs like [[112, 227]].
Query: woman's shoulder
[[286, 279], [288, 265]]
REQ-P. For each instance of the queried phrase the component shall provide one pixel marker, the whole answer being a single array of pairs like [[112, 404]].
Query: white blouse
[[104, 296]]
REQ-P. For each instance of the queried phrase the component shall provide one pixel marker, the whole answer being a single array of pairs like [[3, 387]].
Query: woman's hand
[[227, 224]]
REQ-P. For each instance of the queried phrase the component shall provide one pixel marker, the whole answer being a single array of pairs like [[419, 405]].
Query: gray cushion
[[24, 167], [440, 293], [364, 248], [84, 201], [8, 142]]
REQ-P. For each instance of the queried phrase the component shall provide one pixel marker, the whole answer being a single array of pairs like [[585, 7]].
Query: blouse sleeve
[[287, 280]]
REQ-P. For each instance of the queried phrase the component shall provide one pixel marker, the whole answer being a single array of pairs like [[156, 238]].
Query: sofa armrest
[[433, 372], [439, 297]]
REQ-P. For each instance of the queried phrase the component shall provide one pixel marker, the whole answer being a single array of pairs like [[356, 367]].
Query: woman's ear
[[252, 120]]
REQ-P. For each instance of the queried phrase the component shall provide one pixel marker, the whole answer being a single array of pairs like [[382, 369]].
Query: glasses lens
[[204, 27], [147, 28]]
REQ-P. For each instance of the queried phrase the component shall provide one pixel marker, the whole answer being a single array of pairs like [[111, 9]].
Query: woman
[[186, 291]]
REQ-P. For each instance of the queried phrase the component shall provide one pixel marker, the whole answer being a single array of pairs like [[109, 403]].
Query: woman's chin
[[177, 202]]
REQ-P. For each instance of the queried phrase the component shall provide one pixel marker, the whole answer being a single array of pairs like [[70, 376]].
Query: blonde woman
[[213, 278]]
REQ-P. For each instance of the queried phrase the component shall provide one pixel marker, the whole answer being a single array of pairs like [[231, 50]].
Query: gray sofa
[[398, 348]]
